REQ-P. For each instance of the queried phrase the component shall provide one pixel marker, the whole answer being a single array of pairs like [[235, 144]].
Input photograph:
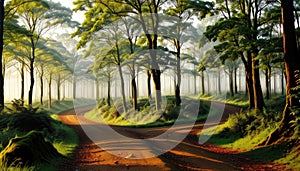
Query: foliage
[[63, 138], [245, 131], [19, 151], [146, 116]]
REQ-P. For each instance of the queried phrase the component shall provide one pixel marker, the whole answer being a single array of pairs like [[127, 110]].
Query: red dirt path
[[188, 155]]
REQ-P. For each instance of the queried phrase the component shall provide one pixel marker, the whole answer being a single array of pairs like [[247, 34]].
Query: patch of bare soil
[[188, 155]]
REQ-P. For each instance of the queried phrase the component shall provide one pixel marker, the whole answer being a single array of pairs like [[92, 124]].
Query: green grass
[[245, 131], [67, 104], [147, 116], [64, 139], [238, 100]]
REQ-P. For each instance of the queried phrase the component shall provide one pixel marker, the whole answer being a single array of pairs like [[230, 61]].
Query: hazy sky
[[78, 16]]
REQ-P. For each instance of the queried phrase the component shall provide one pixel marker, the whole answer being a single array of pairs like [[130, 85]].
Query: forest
[[187, 81]]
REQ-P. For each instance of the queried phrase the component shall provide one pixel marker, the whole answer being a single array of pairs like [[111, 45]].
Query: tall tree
[[292, 71], [146, 13], [1, 51], [240, 31], [183, 11], [39, 17]]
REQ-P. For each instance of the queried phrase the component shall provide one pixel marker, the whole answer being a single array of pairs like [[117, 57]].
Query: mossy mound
[[28, 150], [25, 122], [25, 118]]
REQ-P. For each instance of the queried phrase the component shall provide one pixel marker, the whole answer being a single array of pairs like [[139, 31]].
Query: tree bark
[[1, 54], [122, 88], [178, 73], [22, 73], [108, 91], [42, 85], [202, 82], [258, 95], [49, 91], [74, 86], [58, 87], [134, 90], [292, 70], [282, 80], [149, 84], [208, 83], [249, 86], [235, 81], [231, 83], [267, 84], [31, 71]]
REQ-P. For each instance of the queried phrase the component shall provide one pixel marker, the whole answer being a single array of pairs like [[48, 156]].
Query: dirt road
[[187, 155]]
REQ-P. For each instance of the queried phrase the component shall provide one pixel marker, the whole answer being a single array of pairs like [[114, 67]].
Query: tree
[[201, 69], [183, 11], [1, 52], [240, 31], [38, 17], [292, 70], [146, 13]]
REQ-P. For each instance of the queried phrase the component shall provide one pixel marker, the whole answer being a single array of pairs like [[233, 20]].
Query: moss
[[19, 150]]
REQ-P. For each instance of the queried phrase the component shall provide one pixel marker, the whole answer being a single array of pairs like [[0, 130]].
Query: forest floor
[[187, 155]]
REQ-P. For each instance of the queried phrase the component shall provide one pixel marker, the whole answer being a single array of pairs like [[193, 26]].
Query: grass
[[147, 115], [67, 104], [238, 100], [245, 131], [62, 137]]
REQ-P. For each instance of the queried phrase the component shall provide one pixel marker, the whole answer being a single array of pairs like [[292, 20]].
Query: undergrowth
[[146, 115], [17, 120], [246, 130]]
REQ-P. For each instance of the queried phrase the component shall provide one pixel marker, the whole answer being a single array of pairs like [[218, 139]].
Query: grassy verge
[[245, 131], [238, 100], [146, 116], [17, 121]]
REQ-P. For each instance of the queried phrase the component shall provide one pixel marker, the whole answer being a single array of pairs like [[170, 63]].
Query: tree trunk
[[1, 54], [74, 86], [235, 81], [149, 83], [49, 91], [157, 87], [282, 80], [231, 83], [22, 73], [202, 82], [122, 88], [108, 91], [249, 86], [267, 84], [134, 89], [137, 82], [31, 71], [178, 74], [58, 87], [208, 83], [42, 86], [292, 70], [258, 95]]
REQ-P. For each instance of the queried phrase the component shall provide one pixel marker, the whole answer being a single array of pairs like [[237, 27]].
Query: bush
[[19, 151], [251, 122]]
